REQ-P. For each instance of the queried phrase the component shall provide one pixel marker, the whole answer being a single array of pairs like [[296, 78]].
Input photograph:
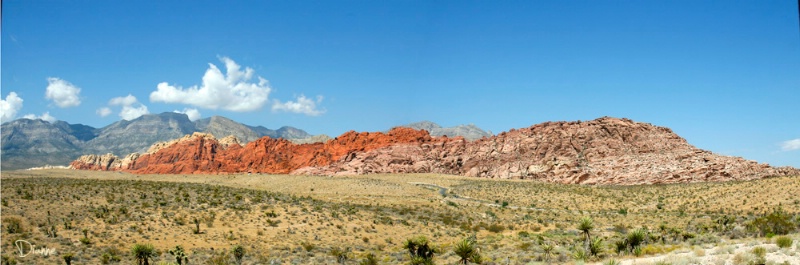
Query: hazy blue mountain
[[31, 143], [469, 132]]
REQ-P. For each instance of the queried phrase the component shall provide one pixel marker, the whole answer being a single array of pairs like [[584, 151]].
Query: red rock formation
[[201, 153], [602, 151]]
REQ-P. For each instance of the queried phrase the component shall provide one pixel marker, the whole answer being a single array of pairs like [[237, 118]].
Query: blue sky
[[725, 75]]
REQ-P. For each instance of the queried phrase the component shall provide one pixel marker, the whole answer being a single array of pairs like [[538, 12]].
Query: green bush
[[784, 241], [777, 223]]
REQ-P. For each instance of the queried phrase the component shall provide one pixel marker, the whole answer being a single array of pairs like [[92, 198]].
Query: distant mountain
[[33, 143], [469, 132], [28, 143], [220, 126], [137, 135]]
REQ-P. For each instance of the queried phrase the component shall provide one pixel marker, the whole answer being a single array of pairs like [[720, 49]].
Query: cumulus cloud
[[10, 106], [303, 105], [131, 108], [791, 145], [63, 93], [230, 91], [104, 111], [193, 114], [45, 117]]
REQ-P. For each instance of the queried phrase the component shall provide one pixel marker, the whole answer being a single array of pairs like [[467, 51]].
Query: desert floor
[[288, 219]]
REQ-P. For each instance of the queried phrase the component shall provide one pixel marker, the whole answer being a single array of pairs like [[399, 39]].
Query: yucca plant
[[596, 246], [467, 251], [142, 253], [585, 225], [420, 250]]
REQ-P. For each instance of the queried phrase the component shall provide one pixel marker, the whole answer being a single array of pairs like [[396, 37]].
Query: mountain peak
[[469, 132]]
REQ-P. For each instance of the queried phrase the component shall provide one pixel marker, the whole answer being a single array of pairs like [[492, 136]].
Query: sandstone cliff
[[602, 151]]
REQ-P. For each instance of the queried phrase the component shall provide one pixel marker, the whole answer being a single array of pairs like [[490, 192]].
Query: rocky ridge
[[602, 151]]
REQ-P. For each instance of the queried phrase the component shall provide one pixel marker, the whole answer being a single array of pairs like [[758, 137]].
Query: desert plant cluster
[[118, 218]]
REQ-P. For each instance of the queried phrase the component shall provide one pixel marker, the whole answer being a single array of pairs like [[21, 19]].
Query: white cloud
[[104, 111], [303, 105], [193, 114], [10, 106], [123, 101], [131, 108], [791, 145], [231, 91], [63, 93], [45, 117]]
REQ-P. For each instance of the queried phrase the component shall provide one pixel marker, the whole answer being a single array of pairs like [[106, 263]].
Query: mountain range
[[30, 143], [602, 151]]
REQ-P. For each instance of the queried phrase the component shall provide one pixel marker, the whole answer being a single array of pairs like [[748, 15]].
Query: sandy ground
[[725, 254]]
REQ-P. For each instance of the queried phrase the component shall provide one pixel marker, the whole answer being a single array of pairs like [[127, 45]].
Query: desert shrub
[[778, 222], [7, 260], [68, 258], [110, 255], [495, 228], [238, 253], [369, 259], [637, 251], [13, 225], [784, 242], [308, 246], [760, 254], [612, 262], [341, 254], [221, 258], [524, 246], [580, 254]]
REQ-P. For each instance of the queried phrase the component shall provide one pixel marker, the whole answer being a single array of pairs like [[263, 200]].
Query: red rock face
[[602, 151], [204, 154]]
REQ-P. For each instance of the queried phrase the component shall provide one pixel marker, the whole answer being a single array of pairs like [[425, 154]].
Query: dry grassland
[[285, 219]]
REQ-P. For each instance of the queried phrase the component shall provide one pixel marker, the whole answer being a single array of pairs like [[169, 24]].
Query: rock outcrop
[[202, 153], [602, 151]]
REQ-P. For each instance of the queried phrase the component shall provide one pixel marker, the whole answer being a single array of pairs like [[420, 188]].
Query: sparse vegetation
[[281, 219]]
